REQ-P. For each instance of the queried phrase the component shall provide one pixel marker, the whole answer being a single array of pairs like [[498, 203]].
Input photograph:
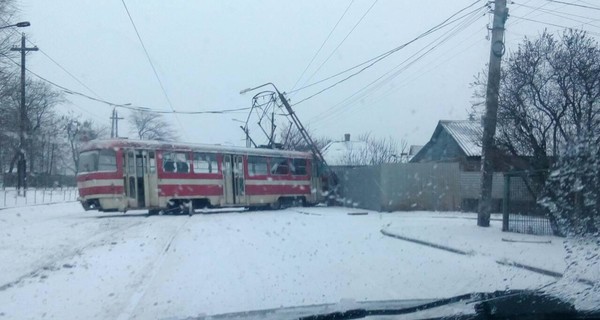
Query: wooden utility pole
[[491, 112], [22, 162], [114, 128]]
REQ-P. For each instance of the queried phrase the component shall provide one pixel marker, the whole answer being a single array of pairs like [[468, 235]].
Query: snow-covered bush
[[573, 190], [573, 199]]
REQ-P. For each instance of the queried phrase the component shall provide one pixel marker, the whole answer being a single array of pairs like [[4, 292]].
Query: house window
[[205, 163], [176, 162], [279, 166], [298, 167], [257, 166]]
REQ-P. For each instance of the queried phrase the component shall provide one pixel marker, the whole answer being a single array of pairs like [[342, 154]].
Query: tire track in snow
[[67, 254], [149, 278]]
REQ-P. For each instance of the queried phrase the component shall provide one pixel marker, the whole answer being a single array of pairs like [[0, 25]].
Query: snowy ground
[[61, 262]]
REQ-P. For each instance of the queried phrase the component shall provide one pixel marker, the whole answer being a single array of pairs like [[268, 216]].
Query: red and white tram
[[120, 175]]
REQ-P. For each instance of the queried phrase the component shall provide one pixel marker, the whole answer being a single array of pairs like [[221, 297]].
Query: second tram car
[[121, 175]]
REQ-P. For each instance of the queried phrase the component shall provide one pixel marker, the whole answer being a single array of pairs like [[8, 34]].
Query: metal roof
[[466, 133]]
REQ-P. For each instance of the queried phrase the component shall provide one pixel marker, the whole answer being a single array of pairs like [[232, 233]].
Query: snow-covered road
[[60, 262]]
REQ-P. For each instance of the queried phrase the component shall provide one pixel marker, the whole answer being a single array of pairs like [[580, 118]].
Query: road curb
[[425, 243], [503, 262]]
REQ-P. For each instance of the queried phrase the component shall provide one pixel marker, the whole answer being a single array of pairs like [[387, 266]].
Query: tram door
[[140, 178], [233, 179], [238, 179], [151, 180], [228, 179]]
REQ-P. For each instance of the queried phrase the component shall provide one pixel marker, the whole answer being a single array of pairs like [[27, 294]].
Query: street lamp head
[[262, 85], [23, 24]]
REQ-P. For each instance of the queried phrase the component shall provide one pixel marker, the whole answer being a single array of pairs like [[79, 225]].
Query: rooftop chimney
[[347, 137]]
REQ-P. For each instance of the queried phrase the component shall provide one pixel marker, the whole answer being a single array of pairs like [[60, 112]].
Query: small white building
[[344, 153]]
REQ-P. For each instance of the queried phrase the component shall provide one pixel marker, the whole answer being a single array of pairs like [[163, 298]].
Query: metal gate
[[521, 211]]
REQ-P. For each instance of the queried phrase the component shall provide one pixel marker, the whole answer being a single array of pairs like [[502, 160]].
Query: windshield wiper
[[510, 304]]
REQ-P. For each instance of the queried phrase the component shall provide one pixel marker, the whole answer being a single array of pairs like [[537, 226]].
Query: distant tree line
[[52, 139]]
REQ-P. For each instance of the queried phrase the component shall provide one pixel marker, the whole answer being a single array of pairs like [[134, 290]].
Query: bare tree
[[549, 96], [291, 139], [373, 151], [77, 133], [39, 119], [150, 126]]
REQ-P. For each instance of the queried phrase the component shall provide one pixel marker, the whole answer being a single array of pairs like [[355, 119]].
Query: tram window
[[152, 162], [257, 166], [107, 160], [88, 161], [298, 167], [279, 166], [130, 163], [205, 163], [176, 162], [98, 160]]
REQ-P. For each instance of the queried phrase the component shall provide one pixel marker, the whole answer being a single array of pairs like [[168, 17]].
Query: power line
[[373, 86], [556, 25], [385, 54], [437, 27], [14, 31], [532, 11], [575, 4], [124, 106], [162, 87], [562, 15], [323, 44], [67, 72], [341, 42]]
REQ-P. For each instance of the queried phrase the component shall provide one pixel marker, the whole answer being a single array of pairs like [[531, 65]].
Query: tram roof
[[184, 146]]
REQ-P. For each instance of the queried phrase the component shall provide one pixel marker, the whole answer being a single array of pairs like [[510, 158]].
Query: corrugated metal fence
[[414, 186]]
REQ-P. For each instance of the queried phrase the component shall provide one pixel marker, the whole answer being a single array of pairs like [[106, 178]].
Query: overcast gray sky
[[205, 52]]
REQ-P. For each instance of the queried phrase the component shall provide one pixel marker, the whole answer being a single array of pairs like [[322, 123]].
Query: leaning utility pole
[[491, 113], [22, 163]]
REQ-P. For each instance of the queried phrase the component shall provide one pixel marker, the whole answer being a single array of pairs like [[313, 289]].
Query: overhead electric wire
[[439, 26], [555, 25], [341, 42], [562, 15], [575, 4], [405, 64], [124, 106], [534, 10], [14, 31], [556, 11], [162, 87], [385, 54], [322, 44]]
